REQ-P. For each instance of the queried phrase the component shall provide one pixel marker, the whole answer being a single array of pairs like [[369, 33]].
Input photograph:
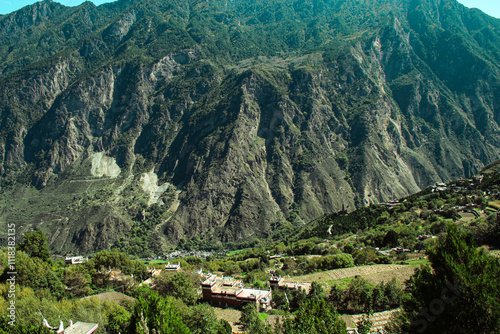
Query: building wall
[[225, 300]]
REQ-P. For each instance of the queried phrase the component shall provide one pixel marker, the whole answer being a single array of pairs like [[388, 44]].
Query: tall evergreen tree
[[459, 293]]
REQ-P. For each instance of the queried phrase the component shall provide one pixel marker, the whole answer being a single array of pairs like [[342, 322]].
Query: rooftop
[[81, 328], [253, 294]]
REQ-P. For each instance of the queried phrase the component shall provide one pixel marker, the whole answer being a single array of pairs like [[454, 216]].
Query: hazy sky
[[491, 7]]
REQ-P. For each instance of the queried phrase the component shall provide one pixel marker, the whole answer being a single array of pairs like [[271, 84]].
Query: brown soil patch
[[233, 317], [402, 275], [379, 320], [466, 216], [348, 321], [495, 204], [273, 319], [113, 296], [230, 315], [495, 253]]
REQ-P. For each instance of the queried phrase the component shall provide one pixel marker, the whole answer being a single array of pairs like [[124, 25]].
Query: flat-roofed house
[[228, 292], [280, 283], [173, 266], [76, 260], [73, 328]]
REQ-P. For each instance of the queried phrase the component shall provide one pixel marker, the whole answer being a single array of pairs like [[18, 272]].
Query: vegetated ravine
[[140, 124]]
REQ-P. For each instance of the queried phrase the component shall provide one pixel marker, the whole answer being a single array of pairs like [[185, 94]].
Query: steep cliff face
[[224, 122]]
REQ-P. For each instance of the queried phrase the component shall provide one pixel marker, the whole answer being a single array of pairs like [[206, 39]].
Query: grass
[[418, 262], [263, 316], [234, 252], [343, 281], [157, 262]]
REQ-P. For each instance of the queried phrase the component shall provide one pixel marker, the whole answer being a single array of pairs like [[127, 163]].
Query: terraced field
[[379, 320], [233, 317], [230, 315], [374, 273]]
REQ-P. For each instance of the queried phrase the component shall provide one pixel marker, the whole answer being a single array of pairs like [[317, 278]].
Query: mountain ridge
[[251, 116]]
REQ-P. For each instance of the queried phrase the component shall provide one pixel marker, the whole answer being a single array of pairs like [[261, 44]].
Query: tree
[[117, 318], [379, 301], [317, 292], [35, 273], [201, 319], [348, 249], [35, 245], [224, 327], [336, 261], [393, 291], [6, 328], [314, 317], [113, 259], [297, 297], [78, 283], [358, 294], [391, 239], [459, 294], [364, 256], [250, 319], [156, 314], [178, 285], [336, 297], [280, 299]]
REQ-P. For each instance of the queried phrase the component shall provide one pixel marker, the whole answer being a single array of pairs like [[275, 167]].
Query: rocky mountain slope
[[138, 124]]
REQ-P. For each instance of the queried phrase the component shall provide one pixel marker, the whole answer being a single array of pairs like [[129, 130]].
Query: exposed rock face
[[104, 166], [236, 128]]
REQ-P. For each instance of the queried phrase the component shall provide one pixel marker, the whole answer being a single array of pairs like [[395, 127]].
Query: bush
[[337, 261]]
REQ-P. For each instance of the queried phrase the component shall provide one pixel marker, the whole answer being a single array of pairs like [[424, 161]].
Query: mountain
[[144, 124], [471, 203]]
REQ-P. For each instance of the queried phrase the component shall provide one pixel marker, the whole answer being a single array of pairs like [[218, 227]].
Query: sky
[[490, 7]]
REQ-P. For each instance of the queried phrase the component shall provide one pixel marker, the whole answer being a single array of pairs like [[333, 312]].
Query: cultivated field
[[379, 320], [233, 316], [230, 315], [374, 273]]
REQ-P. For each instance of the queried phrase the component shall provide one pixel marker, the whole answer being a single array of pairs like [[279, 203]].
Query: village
[[299, 269], [228, 295]]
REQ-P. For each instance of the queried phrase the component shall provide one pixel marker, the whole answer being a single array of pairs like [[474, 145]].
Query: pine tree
[[458, 293]]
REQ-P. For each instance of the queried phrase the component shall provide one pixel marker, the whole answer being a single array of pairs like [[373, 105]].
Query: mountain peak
[[228, 121]]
